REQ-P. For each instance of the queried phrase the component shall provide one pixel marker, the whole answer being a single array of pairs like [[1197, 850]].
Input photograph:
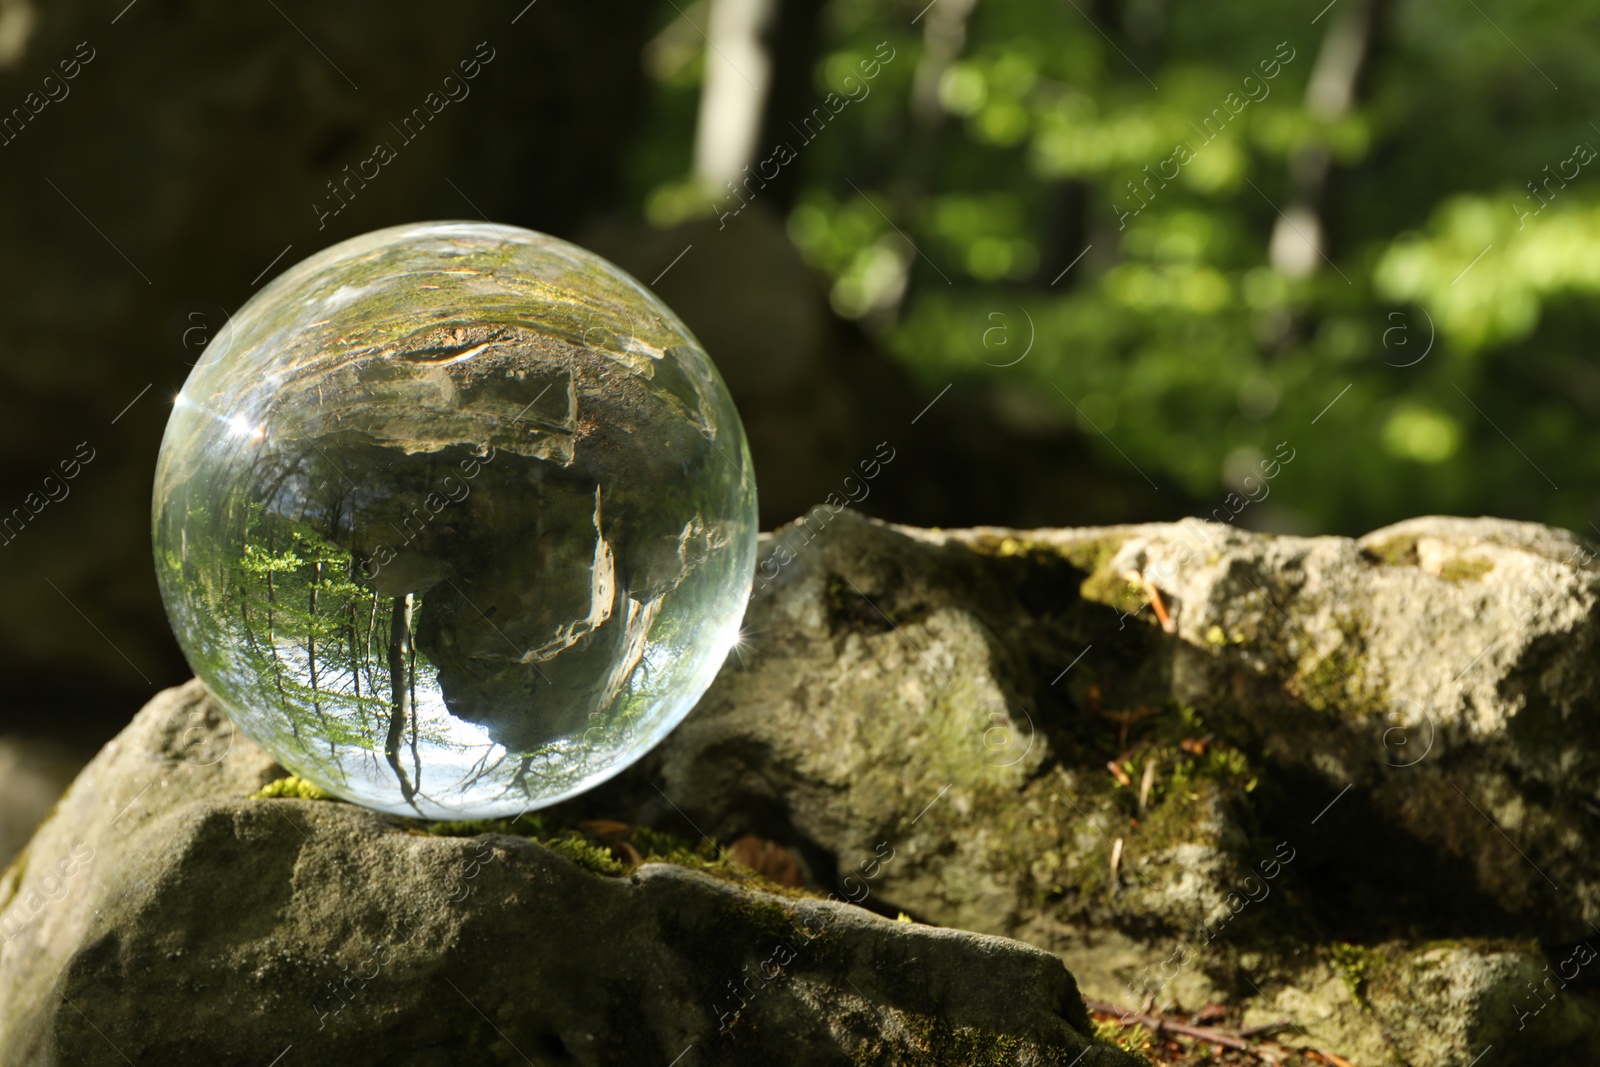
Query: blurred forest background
[[1308, 267]]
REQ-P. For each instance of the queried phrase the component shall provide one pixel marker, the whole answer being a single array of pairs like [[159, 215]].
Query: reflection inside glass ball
[[455, 520]]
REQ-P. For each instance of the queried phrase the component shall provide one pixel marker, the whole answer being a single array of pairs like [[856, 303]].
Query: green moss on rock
[[586, 854], [529, 826], [1465, 570], [1091, 555], [1342, 679], [595, 851], [766, 914], [291, 787], [1113, 590], [930, 1042], [1400, 551], [1134, 1040], [1358, 966]]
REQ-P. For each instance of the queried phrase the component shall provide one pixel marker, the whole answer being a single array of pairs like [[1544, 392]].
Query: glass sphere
[[455, 519]]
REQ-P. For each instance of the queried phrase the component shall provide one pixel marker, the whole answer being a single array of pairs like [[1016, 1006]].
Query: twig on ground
[[1160, 1024], [1156, 604]]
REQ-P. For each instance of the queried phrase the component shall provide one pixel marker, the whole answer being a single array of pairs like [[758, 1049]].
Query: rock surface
[[163, 914], [1348, 782]]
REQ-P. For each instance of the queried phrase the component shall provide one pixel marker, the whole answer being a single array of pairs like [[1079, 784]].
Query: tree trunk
[[399, 690], [738, 74], [1299, 240]]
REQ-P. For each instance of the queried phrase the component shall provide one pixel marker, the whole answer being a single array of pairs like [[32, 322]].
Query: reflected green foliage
[[1453, 191]]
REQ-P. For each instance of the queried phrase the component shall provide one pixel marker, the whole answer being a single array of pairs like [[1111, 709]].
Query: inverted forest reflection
[[444, 554]]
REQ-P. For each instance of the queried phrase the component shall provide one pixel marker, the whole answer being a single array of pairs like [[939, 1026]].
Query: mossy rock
[[1392, 709], [222, 917]]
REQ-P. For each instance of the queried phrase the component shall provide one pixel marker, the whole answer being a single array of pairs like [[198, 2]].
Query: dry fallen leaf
[[767, 858]]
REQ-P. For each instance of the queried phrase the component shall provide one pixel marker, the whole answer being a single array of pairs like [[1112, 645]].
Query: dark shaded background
[[979, 231]]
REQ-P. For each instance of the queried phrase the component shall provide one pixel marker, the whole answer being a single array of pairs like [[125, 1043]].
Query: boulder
[[1435, 1003], [184, 904], [1200, 764]]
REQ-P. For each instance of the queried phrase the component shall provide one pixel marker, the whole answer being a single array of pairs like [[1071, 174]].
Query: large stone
[[1390, 741], [164, 915], [1444, 1003]]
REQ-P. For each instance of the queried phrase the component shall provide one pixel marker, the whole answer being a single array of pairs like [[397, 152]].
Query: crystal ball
[[455, 520]]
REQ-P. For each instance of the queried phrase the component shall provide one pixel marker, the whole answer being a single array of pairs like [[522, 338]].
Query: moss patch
[[1193, 785], [1388, 973], [1465, 570], [1134, 1040], [930, 1042], [1341, 679], [1088, 554], [1113, 590], [585, 853], [529, 826], [1396, 551], [615, 849], [1358, 967], [1402, 552], [766, 915], [589, 853], [291, 787], [1091, 555]]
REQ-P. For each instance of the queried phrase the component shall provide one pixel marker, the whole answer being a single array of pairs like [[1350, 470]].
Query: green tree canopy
[[1214, 222]]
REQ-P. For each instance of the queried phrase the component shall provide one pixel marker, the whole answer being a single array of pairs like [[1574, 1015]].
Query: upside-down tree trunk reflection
[[311, 648], [400, 689], [272, 636]]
